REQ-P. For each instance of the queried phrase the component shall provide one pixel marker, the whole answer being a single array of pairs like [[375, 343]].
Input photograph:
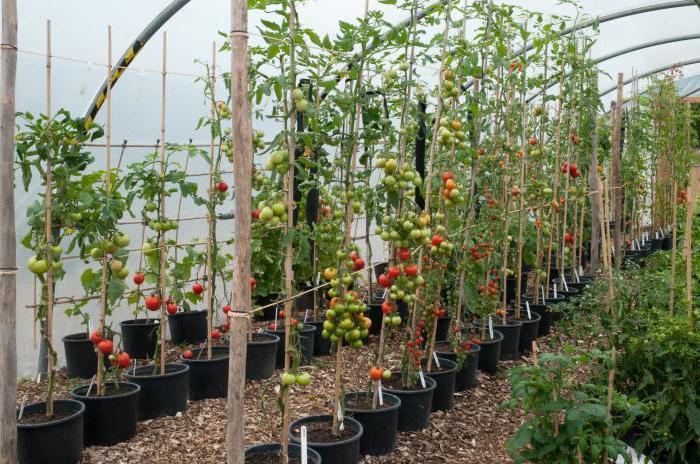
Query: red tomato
[[123, 360], [256, 214], [152, 303], [187, 354], [404, 254], [411, 270], [139, 278], [197, 288], [95, 337], [253, 282], [384, 281], [227, 309], [394, 272], [436, 240], [105, 346], [215, 334], [447, 175], [221, 187], [171, 308], [375, 373]]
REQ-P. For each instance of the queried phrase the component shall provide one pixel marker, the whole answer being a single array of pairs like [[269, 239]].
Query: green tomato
[[97, 253], [303, 379], [277, 209], [122, 240], [150, 207], [288, 379], [57, 249], [123, 273]]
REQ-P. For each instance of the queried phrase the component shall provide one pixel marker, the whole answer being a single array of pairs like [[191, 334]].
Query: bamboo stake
[[693, 187], [674, 232], [108, 188], [616, 176], [242, 139], [211, 219], [161, 234], [8, 278], [50, 353]]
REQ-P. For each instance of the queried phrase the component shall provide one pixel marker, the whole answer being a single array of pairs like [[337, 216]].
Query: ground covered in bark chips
[[474, 431]]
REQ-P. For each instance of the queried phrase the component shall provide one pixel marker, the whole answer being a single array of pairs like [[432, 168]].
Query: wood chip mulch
[[475, 431]]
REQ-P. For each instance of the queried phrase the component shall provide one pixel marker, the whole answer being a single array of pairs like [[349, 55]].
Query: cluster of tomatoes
[[391, 318], [440, 245], [490, 290], [407, 230], [106, 347], [345, 318], [450, 132], [450, 193], [395, 179], [681, 197], [416, 347], [571, 169], [278, 161], [402, 281], [481, 250], [377, 373], [449, 88], [300, 103], [271, 215], [575, 138]]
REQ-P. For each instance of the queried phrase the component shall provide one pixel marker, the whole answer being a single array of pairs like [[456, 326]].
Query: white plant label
[[380, 391], [563, 280], [422, 378], [340, 418], [318, 278], [199, 305], [306, 316], [385, 290], [437, 363], [543, 296], [527, 307], [555, 291], [490, 327], [304, 445], [580, 270]]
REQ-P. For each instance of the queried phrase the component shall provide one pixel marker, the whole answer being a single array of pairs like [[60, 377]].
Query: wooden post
[[693, 187], [242, 139], [161, 235], [593, 188], [235, 438], [616, 177], [8, 278]]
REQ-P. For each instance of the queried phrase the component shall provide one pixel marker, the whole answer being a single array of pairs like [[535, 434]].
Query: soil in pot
[[511, 338], [140, 337], [111, 418], [306, 341], [161, 395], [444, 377], [208, 378], [322, 346], [58, 440], [81, 360], [490, 352], [188, 328], [416, 403], [261, 356], [466, 374], [343, 448], [270, 454], [529, 331], [379, 425]]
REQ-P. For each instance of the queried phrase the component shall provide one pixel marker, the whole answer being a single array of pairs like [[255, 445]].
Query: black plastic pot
[[379, 425], [161, 395], [656, 244], [341, 452], [274, 449], [444, 377], [572, 284], [466, 375], [322, 346], [529, 330], [111, 418], [208, 378], [81, 360], [59, 441], [414, 413], [306, 337], [545, 326], [490, 353], [261, 356], [667, 243], [511, 284], [140, 337], [511, 338], [188, 328]]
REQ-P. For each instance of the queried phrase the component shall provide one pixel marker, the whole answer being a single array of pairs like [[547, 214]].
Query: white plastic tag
[[306, 316], [437, 363], [527, 307], [199, 305], [554, 286], [340, 418], [543, 295], [380, 391], [580, 270], [563, 280], [276, 313], [422, 378], [490, 327], [304, 445], [318, 278], [384, 296]]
